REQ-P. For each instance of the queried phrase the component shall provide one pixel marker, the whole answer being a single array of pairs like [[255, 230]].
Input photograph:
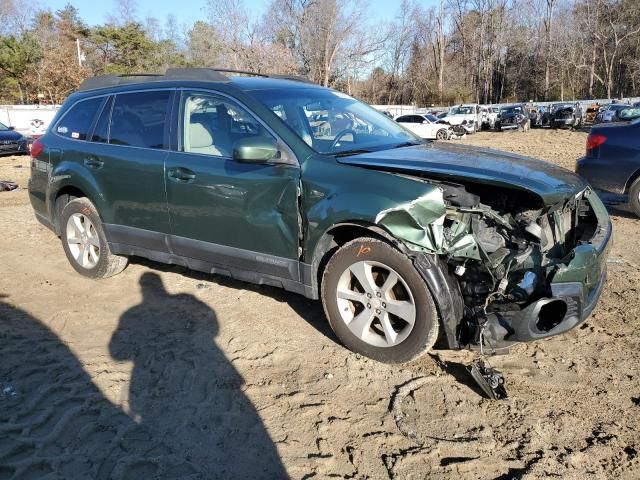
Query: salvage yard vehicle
[[592, 112], [12, 142], [613, 113], [406, 242], [425, 126], [489, 117], [513, 117], [612, 163], [468, 117], [565, 115]]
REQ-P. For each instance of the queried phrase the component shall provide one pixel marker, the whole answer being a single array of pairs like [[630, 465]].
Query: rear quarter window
[[76, 123]]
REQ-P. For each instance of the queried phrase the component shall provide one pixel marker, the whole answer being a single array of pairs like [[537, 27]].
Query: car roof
[[260, 83], [186, 76]]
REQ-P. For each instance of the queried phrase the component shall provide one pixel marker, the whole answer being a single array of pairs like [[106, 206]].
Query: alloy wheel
[[83, 241], [376, 304]]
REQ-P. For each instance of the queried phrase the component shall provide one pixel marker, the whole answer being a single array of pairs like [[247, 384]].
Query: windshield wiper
[[346, 153], [407, 144]]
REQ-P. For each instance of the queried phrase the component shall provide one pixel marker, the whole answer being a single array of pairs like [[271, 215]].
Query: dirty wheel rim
[[83, 241], [441, 135], [376, 304]]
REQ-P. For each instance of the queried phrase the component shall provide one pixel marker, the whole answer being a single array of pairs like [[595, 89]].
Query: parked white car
[[467, 116], [425, 126], [489, 116]]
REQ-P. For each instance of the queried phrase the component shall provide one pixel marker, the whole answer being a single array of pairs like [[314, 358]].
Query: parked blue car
[[612, 163], [12, 142]]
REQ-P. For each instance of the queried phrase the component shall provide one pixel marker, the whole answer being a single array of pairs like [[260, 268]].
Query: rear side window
[[76, 123], [138, 119]]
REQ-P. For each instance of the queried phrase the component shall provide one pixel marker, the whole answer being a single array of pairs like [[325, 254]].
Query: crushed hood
[[458, 118], [552, 183]]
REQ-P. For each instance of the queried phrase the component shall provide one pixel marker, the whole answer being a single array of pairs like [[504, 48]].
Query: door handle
[[93, 162], [181, 175]]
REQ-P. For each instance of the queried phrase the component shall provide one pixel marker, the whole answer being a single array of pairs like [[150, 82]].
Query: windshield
[[333, 122], [619, 107], [562, 105], [3, 127], [431, 118], [461, 111]]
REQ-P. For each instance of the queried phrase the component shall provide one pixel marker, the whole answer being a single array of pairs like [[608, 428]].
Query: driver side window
[[211, 125]]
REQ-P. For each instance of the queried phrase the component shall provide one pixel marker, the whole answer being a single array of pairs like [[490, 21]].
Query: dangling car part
[[489, 380]]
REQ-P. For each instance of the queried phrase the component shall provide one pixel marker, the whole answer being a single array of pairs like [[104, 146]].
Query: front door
[[222, 211]]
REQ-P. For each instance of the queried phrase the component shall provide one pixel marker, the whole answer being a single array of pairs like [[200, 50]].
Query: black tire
[[424, 333], [107, 263], [441, 134], [634, 197]]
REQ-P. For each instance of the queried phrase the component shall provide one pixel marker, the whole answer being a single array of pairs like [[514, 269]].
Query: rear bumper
[[562, 121], [608, 176]]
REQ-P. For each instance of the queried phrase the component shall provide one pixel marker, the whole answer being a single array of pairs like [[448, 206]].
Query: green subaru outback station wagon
[[275, 180]]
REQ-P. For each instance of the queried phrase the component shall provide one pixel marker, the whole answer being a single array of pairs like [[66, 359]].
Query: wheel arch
[[631, 181], [62, 196], [72, 180], [336, 236]]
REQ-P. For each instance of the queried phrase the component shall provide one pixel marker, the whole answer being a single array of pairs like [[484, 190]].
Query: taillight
[[594, 140], [36, 148]]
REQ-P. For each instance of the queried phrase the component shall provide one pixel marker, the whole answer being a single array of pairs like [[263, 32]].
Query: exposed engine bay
[[505, 247]]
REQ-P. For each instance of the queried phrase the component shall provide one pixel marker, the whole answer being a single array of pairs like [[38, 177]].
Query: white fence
[[21, 116], [397, 110]]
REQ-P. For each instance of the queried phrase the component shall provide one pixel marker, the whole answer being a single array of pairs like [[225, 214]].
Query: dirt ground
[[164, 373]]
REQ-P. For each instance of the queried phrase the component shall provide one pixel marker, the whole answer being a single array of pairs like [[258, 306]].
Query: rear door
[[222, 211], [126, 158], [415, 124]]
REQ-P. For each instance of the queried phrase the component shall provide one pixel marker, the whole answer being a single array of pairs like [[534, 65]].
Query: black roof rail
[[194, 74]]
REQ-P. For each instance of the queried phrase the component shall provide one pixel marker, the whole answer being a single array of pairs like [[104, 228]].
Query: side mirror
[[12, 128], [258, 149]]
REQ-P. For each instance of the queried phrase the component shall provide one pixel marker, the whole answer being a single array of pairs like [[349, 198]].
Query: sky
[[95, 12]]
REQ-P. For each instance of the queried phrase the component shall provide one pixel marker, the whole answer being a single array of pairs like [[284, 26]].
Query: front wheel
[[377, 303], [634, 197], [84, 241], [441, 134]]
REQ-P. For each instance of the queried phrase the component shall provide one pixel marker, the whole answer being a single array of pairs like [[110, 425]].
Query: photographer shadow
[[186, 416]]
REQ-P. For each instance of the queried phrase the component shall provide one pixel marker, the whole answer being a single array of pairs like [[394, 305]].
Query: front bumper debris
[[575, 290]]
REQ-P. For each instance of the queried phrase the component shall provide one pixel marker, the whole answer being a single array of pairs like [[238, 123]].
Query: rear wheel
[[84, 242], [634, 197], [377, 303]]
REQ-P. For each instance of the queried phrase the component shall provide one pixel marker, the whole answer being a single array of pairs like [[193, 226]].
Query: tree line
[[485, 51]]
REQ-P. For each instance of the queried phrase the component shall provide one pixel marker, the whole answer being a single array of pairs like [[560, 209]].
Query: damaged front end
[[525, 270]]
